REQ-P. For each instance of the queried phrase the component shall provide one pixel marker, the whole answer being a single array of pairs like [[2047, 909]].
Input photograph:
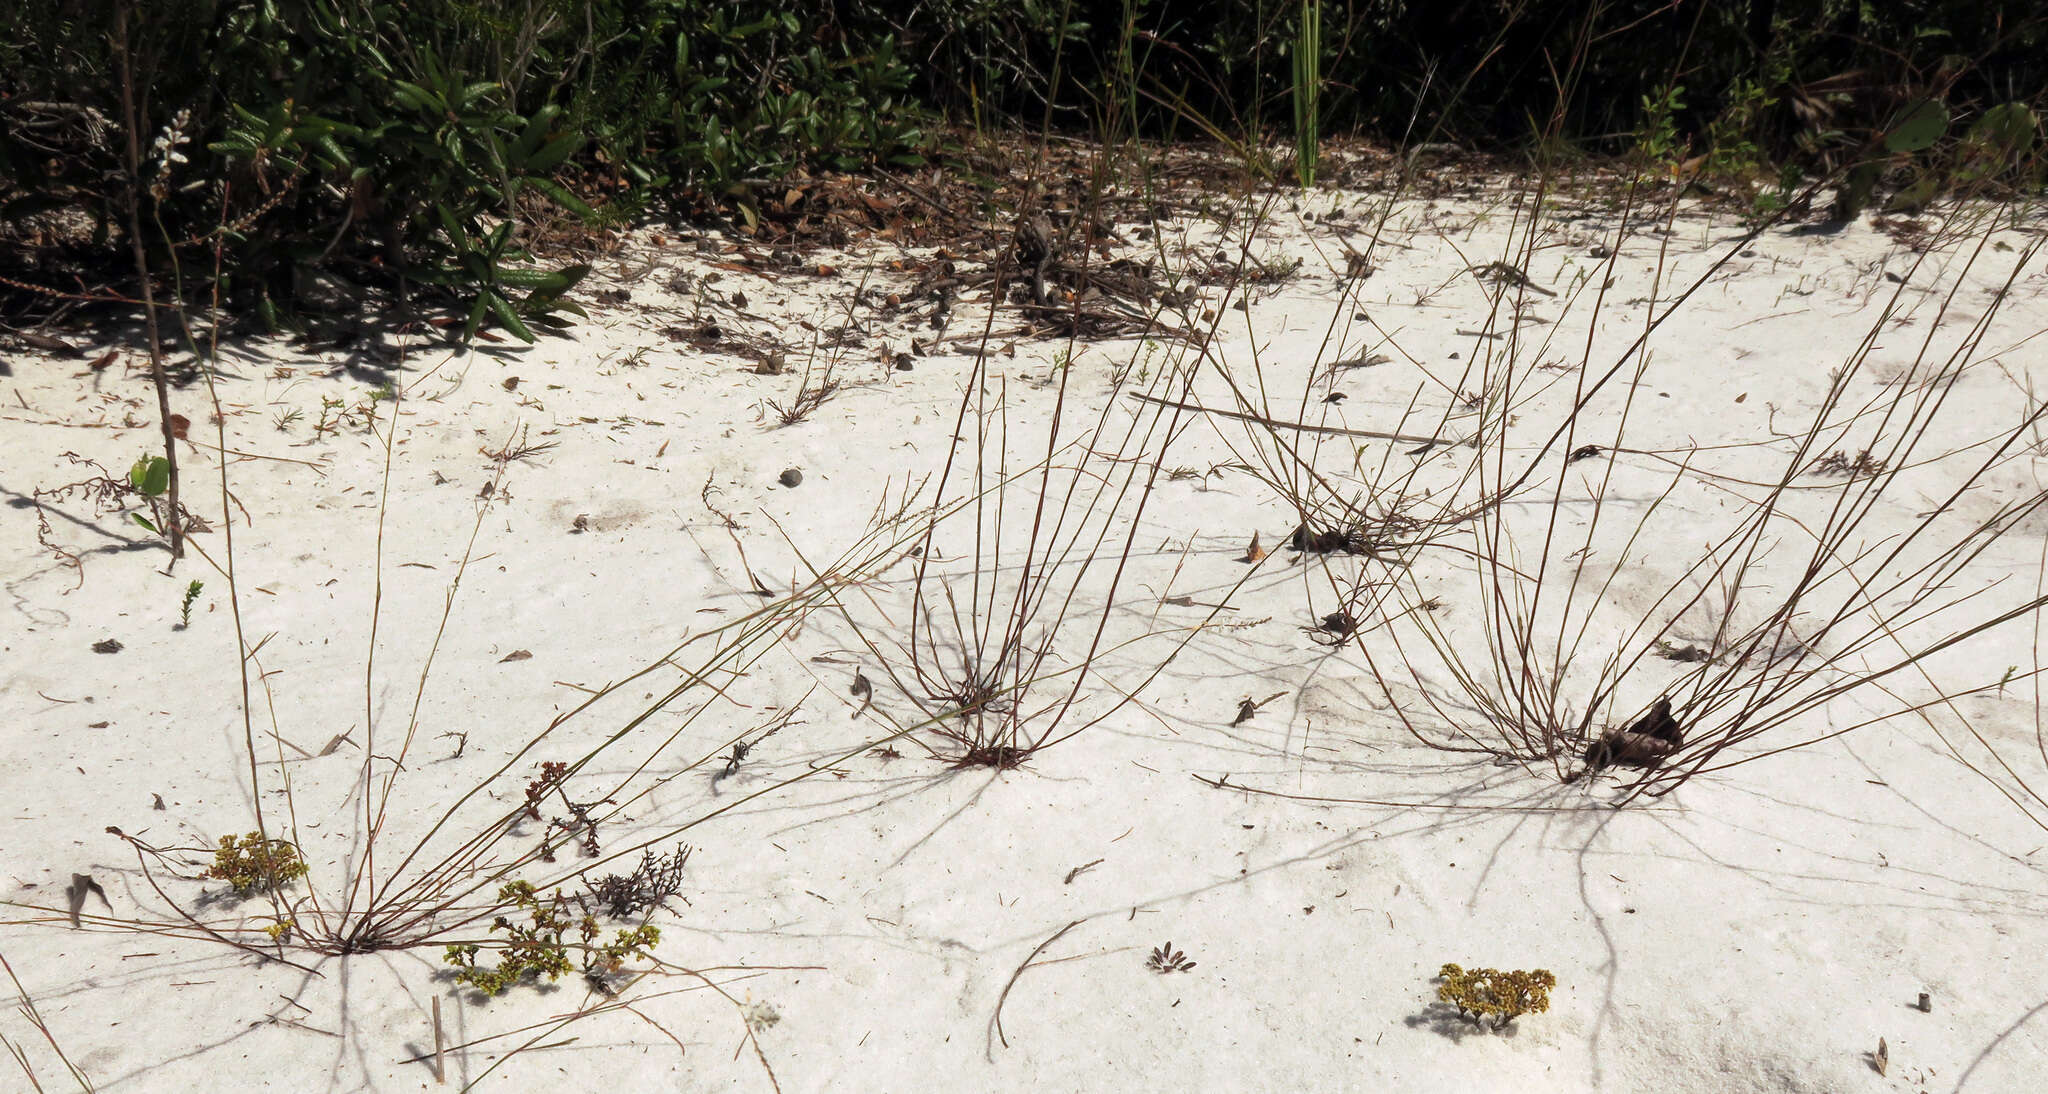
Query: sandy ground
[[1759, 929]]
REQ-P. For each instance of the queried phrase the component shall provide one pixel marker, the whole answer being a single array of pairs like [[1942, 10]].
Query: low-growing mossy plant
[[253, 864], [1480, 994], [537, 948]]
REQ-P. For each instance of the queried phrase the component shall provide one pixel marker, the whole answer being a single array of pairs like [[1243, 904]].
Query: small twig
[[1299, 427], [518, 449], [998, 1019], [440, 1075], [175, 526]]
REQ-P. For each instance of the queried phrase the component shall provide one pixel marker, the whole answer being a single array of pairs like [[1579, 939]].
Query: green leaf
[[1855, 191], [445, 276], [561, 196], [144, 521], [548, 282], [477, 311], [1917, 127], [415, 97], [1915, 196], [551, 154], [2005, 132], [502, 308], [458, 237], [150, 476], [496, 146], [535, 132], [336, 157]]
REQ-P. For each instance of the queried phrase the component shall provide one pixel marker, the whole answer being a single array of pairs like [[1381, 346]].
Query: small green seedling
[[185, 609], [1480, 994], [330, 416], [151, 477], [253, 864]]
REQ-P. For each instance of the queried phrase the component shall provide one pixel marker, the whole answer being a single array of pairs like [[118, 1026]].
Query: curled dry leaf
[[516, 655]]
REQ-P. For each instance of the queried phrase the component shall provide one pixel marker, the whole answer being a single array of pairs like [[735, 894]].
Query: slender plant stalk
[[1308, 92], [174, 521]]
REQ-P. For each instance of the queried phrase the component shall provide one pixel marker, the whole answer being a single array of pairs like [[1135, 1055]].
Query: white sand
[[1759, 929]]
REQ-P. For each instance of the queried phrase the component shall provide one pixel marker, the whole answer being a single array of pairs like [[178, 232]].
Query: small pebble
[[790, 477], [107, 645]]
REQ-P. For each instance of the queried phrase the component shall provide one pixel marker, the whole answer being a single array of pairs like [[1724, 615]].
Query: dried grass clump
[[1483, 995], [1591, 640], [1002, 637]]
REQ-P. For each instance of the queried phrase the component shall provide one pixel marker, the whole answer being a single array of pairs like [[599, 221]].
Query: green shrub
[[416, 145], [391, 143]]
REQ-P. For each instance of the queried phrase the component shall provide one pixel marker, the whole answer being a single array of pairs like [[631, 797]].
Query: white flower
[[164, 149]]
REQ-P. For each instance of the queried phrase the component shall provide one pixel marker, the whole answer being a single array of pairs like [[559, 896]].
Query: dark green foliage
[[417, 146], [389, 143], [1919, 149], [1787, 78]]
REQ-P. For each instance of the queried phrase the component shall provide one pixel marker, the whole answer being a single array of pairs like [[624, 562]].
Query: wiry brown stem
[[174, 523]]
